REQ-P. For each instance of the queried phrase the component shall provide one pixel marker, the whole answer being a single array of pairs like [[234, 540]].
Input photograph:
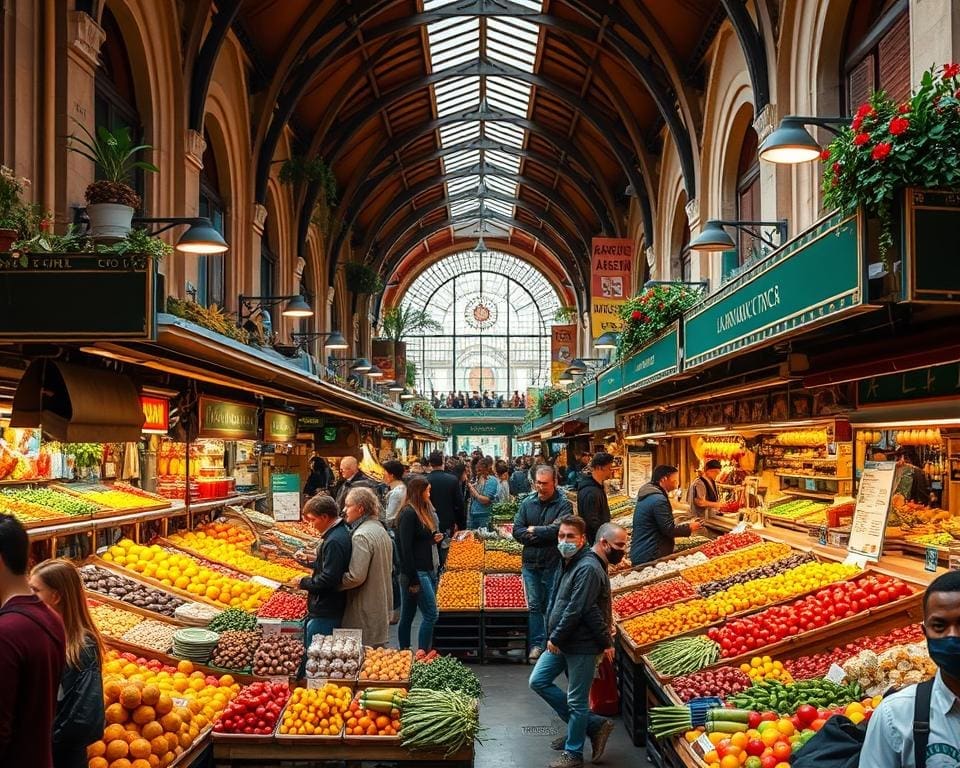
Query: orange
[[121, 763], [98, 762], [164, 705], [141, 763], [140, 748], [144, 714], [150, 695], [130, 697], [115, 714], [730, 761], [158, 745], [116, 749], [113, 731], [185, 666], [785, 727], [151, 730]]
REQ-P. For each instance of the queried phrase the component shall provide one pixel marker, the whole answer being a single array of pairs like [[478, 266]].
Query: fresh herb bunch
[[445, 673], [889, 146]]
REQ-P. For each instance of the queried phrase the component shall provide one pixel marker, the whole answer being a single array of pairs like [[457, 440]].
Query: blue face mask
[[945, 652], [567, 549]]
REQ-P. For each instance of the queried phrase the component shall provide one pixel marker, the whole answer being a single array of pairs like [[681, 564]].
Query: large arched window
[[495, 311], [211, 268]]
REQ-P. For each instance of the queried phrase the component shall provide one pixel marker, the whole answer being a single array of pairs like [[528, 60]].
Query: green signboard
[[575, 401], [77, 297], [559, 410], [813, 280], [923, 383], [658, 360], [609, 382], [308, 423], [932, 218], [454, 414], [279, 427], [465, 430], [227, 420], [590, 393], [389, 434]]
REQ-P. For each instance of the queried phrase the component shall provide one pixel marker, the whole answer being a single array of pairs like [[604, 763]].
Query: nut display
[[336, 656], [236, 650], [151, 634], [115, 622], [129, 591], [278, 655]]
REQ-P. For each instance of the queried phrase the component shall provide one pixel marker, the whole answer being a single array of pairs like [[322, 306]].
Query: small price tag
[[279, 680], [739, 527], [316, 682], [265, 582], [704, 744], [858, 560], [178, 702], [836, 674], [822, 536], [931, 559], [270, 627]]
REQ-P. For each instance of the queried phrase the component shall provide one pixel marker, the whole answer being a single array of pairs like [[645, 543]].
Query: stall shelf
[[230, 753]]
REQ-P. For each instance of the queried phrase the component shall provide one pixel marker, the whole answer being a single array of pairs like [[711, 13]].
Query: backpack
[[839, 742]]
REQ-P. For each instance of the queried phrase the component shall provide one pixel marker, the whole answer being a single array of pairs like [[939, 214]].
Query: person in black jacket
[[535, 526], [446, 494], [353, 477], [653, 526], [320, 479], [417, 540], [592, 504], [580, 630], [79, 718], [325, 601]]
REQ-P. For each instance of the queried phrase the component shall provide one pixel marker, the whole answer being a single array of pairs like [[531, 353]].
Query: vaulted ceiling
[[529, 121]]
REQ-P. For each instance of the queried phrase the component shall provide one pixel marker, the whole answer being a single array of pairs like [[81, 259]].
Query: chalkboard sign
[[76, 297], [933, 221]]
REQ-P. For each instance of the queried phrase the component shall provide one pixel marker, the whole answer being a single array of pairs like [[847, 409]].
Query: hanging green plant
[[549, 397], [646, 316], [361, 279], [411, 374], [302, 170], [565, 315]]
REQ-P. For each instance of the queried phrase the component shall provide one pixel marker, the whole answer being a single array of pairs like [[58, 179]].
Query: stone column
[[183, 268], [934, 35]]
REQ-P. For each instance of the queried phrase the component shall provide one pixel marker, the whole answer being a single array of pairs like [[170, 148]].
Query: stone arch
[[671, 193], [679, 236]]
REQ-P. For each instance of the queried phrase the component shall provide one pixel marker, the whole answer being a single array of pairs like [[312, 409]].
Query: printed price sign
[[931, 559], [265, 582], [835, 674], [704, 744], [178, 701], [270, 627], [316, 682]]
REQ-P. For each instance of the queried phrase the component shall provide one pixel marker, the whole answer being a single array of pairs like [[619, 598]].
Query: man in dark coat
[[592, 504], [353, 477], [653, 526], [446, 494]]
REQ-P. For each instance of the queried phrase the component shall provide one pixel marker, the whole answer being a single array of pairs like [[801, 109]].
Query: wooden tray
[[112, 511], [243, 738], [62, 520], [147, 614], [370, 739]]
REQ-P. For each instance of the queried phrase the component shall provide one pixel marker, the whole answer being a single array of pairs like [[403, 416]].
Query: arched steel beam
[[482, 170], [753, 51], [561, 143], [413, 218], [585, 186], [202, 73], [310, 67], [558, 249]]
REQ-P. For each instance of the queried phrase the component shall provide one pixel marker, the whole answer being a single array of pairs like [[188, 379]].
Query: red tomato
[[782, 750]]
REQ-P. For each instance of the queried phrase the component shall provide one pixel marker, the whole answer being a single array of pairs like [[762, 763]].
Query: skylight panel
[[506, 96], [459, 132], [456, 186], [507, 133], [503, 160], [456, 96], [500, 185], [459, 160], [500, 207]]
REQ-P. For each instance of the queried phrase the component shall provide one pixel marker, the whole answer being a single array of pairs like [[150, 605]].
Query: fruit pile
[[794, 510], [465, 555], [386, 665], [933, 539], [501, 562], [689, 542], [114, 498], [504, 591], [765, 668], [653, 596], [183, 572], [736, 561], [721, 682], [730, 542], [762, 572], [753, 742], [238, 535], [284, 605], [459, 590], [374, 712], [60, 504], [816, 665], [234, 556], [668, 621], [503, 545], [153, 712], [255, 710], [828, 605], [316, 711]]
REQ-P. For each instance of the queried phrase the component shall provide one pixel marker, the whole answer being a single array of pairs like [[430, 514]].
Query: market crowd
[[475, 399]]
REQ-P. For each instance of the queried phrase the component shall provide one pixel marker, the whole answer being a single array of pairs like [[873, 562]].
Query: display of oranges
[[316, 711]]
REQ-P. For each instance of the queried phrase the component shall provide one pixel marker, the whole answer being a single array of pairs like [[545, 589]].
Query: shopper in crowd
[[483, 492], [393, 477], [703, 494], [461, 472], [654, 530], [325, 601], [79, 718], [535, 526], [418, 537], [520, 479], [515, 400], [592, 504], [353, 477], [368, 578], [579, 631], [910, 481], [891, 741], [503, 478], [446, 495], [416, 468], [320, 479], [32, 658]]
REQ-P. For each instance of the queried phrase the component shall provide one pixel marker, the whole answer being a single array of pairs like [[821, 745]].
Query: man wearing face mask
[[580, 632], [892, 741]]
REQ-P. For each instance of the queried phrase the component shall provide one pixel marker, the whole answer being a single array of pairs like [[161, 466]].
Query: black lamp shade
[[790, 144], [297, 307], [713, 237], [201, 238], [361, 366], [395, 386]]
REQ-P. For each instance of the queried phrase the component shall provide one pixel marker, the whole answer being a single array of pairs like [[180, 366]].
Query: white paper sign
[[639, 470], [858, 560], [265, 582], [704, 744], [873, 506], [178, 701], [270, 626], [836, 674], [739, 527], [316, 683]]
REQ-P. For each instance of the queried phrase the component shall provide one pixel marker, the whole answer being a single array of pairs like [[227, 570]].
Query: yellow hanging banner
[[563, 348], [611, 269]]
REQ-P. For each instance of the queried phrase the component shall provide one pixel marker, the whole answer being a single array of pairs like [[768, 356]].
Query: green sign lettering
[[609, 382], [465, 430], [656, 361], [936, 381]]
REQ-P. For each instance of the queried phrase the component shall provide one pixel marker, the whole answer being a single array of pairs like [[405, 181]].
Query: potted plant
[[646, 316], [361, 278], [890, 146], [16, 217], [111, 201]]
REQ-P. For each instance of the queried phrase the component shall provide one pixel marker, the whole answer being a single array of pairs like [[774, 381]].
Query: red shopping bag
[[604, 696]]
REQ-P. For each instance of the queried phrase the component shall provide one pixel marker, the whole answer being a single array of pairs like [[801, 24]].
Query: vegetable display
[[721, 682], [278, 655], [375, 712], [434, 719], [233, 619], [445, 673], [659, 570], [816, 665], [730, 542], [255, 710], [683, 655], [785, 699], [651, 597]]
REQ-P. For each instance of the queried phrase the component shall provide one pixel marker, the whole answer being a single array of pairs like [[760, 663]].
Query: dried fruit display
[[278, 655]]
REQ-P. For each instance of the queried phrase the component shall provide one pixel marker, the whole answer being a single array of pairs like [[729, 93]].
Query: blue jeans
[[573, 707], [541, 584], [426, 600], [315, 626]]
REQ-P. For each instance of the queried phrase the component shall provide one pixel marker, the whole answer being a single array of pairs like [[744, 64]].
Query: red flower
[[865, 110], [644, 319], [881, 151], [635, 315], [951, 70], [898, 126], [825, 154], [45, 225], [860, 139], [837, 167], [903, 108]]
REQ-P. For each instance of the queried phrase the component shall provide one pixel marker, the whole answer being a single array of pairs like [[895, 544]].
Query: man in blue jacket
[[653, 526], [580, 631], [535, 526]]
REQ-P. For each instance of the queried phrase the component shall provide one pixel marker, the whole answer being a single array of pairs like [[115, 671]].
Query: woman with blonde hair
[[79, 717], [417, 538]]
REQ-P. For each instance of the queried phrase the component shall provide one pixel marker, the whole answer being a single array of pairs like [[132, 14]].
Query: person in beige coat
[[368, 579]]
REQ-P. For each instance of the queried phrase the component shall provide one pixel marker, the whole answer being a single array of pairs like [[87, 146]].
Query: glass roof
[[505, 40]]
